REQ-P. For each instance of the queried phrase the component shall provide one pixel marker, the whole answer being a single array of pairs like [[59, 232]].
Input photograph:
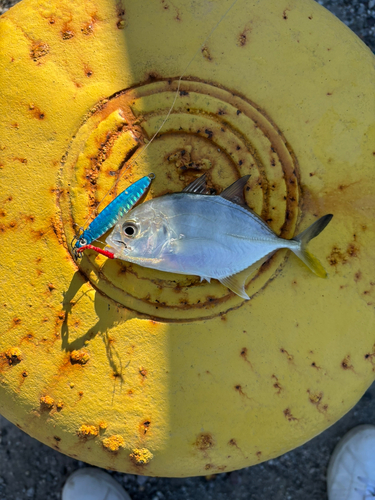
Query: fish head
[[142, 233]]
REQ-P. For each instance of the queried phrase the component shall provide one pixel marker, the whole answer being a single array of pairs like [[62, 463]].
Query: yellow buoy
[[153, 373]]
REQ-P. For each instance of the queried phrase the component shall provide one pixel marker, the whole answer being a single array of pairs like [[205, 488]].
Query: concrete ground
[[31, 470]]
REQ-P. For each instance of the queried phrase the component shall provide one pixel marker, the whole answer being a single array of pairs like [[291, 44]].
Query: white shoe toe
[[351, 471], [92, 484]]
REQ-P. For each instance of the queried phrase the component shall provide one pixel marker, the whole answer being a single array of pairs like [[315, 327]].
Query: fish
[[211, 236]]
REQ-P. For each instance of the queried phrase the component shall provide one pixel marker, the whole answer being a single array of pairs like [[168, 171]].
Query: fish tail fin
[[304, 238]]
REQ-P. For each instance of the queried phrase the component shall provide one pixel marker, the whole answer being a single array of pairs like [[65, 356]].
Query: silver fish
[[209, 236]]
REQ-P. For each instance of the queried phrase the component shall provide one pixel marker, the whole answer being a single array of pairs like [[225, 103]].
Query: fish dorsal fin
[[198, 186], [236, 283], [234, 192]]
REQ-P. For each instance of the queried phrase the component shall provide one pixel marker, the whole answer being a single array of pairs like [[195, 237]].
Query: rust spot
[[143, 373], [288, 415], [346, 364], [145, 426], [88, 72], [16, 321], [38, 50], [290, 357], [242, 38], [120, 12], [240, 391], [29, 337], [46, 402], [184, 161], [314, 365], [330, 93], [37, 113], [57, 438], [316, 400], [25, 374], [79, 357], [51, 287], [285, 16], [258, 454], [88, 431], [206, 54], [13, 355], [204, 441], [67, 34], [141, 456], [371, 356], [276, 384], [357, 276], [58, 231], [88, 28], [244, 354], [352, 250], [113, 443], [336, 257]]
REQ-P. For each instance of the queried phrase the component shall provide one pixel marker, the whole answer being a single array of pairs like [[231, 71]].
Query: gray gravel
[[31, 470]]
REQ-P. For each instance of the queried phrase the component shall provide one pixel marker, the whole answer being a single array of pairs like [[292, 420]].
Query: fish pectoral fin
[[198, 186], [236, 283], [234, 192]]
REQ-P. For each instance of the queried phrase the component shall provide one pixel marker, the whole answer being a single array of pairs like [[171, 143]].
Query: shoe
[[92, 484], [351, 470]]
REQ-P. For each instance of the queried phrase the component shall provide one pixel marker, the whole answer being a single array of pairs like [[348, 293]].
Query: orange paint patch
[[79, 357], [13, 355], [88, 431], [114, 443], [46, 402], [141, 456]]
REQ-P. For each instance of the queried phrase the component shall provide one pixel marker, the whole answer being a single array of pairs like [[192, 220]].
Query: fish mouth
[[116, 243]]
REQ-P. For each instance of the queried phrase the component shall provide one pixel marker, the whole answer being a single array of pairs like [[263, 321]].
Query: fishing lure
[[110, 215]]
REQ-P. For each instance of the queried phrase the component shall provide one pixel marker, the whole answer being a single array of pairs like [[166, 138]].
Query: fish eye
[[130, 229]]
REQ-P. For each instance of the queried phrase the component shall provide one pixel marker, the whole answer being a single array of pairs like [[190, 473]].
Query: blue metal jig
[[112, 212]]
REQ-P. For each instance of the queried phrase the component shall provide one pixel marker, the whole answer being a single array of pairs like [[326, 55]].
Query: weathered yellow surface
[[153, 373]]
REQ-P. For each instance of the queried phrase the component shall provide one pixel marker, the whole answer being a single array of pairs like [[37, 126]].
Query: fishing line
[[141, 151]]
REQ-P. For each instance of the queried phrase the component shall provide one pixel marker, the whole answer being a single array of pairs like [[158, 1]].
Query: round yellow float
[[154, 373]]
